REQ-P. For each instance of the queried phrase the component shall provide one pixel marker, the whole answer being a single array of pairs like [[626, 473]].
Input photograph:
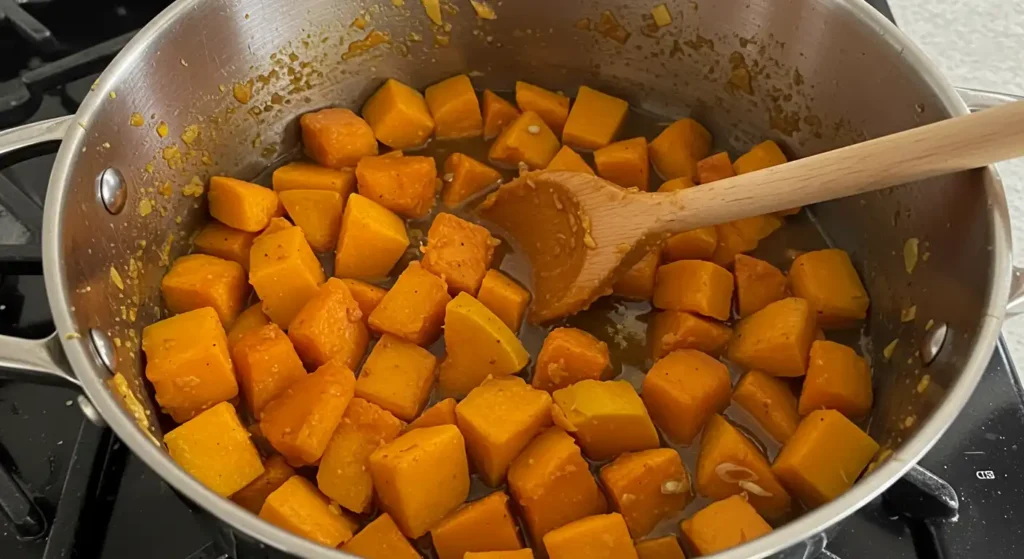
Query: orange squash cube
[[607, 418], [602, 536], [758, 284], [498, 113], [371, 240], [517, 554], [672, 330], [414, 307], [276, 471], [696, 286], [299, 508], [198, 280], [241, 205], [285, 273], [660, 548], [646, 487], [250, 319], [344, 474], [678, 148], [336, 137], [421, 477], [441, 413], [723, 524], [404, 185], [318, 213], [464, 177], [763, 155], [454, 106], [367, 295], [678, 183], [381, 539], [498, 419], [698, 244], [714, 168], [215, 448], [568, 160], [299, 175], [484, 525], [638, 282], [217, 239], [330, 326], [732, 242], [770, 402], [528, 140], [552, 484], [837, 379], [299, 422], [458, 251], [568, 356], [276, 224], [823, 458], [624, 163], [479, 345], [504, 297], [776, 339], [595, 119], [827, 280], [188, 363], [399, 116], [266, 364], [683, 390], [552, 107], [397, 376]]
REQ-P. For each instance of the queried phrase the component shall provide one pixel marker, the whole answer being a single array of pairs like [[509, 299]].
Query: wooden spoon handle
[[952, 145]]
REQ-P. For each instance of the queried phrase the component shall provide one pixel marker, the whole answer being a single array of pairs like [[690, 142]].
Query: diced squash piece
[[318, 213], [682, 390], [827, 280], [336, 138], [276, 224], [188, 363], [344, 474], [421, 477], [741, 236], [250, 319], [266, 364], [517, 554], [552, 484], [678, 148], [646, 487], [837, 379], [723, 524], [381, 539], [758, 284], [698, 244], [666, 547], [603, 536], [568, 356], [484, 525], [595, 119], [479, 345], [499, 418], [678, 183], [730, 464], [695, 286], [458, 251], [568, 160], [776, 339], [498, 113], [608, 418], [199, 280], [441, 413], [298, 507], [241, 205], [714, 168], [215, 448], [770, 402], [414, 308], [528, 140], [399, 116], [371, 241], [397, 376], [276, 471], [504, 297], [624, 163], [464, 177], [552, 107], [330, 326], [299, 175], [823, 458], [367, 295], [454, 106], [285, 273], [300, 421], [404, 185], [638, 281], [217, 239], [672, 330], [763, 155]]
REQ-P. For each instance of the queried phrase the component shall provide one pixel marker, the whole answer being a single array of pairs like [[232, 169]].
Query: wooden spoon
[[581, 232]]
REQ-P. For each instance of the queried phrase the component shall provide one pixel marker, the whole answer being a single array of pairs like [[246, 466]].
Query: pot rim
[[804, 528]]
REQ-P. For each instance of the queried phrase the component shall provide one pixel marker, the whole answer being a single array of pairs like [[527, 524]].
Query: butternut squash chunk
[[276, 471], [397, 376], [441, 413], [827, 280], [484, 525], [672, 330], [683, 390], [458, 251], [371, 240], [336, 137], [638, 282], [381, 539], [414, 308], [241, 205], [602, 536], [568, 160], [698, 244], [517, 554], [568, 356], [741, 236], [714, 168], [678, 183], [250, 319], [763, 155], [318, 213], [660, 548], [647, 487], [528, 140], [266, 364], [214, 448], [504, 297], [198, 280], [608, 418], [404, 185], [723, 524], [837, 379], [276, 224], [399, 116], [497, 112], [217, 239], [464, 177], [367, 295], [330, 325], [454, 106], [758, 284], [479, 345], [624, 163], [552, 107], [285, 273], [776, 339], [678, 148], [695, 286], [300, 175], [299, 508], [770, 402], [595, 119]]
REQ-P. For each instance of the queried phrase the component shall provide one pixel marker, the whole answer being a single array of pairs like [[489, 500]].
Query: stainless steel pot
[[814, 74]]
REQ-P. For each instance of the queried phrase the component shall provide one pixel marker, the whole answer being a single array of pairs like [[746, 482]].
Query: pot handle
[[978, 100]]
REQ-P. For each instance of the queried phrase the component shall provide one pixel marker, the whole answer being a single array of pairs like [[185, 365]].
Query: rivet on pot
[[89, 411], [110, 187], [932, 342], [104, 349]]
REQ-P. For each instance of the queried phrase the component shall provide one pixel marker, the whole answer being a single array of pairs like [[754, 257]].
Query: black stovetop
[[70, 489]]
